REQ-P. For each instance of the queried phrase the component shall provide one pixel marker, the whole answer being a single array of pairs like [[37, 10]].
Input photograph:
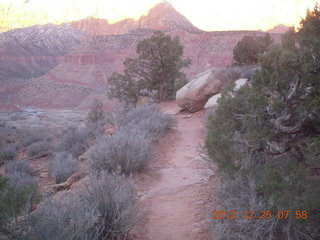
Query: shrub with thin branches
[[148, 119], [241, 194], [75, 141], [62, 166], [37, 148], [105, 209], [128, 152], [18, 166], [32, 139], [7, 155]]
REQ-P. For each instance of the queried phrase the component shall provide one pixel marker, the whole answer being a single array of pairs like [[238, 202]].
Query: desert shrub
[[37, 148], [248, 49], [96, 112], [2, 123], [96, 129], [20, 175], [75, 141], [127, 151], [242, 194], [149, 120], [7, 155], [18, 166], [32, 139], [22, 180], [62, 166], [15, 198], [105, 209], [271, 130]]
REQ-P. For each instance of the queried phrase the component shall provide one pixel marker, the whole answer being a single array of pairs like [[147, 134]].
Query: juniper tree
[[156, 72]]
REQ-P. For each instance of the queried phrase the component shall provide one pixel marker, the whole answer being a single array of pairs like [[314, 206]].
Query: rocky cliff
[[163, 17], [74, 67], [31, 52]]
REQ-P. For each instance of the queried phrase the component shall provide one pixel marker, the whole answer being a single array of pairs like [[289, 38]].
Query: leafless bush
[[75, 141], [105, 209], [62, 166], [126, 151], [148, 119], [240, 194], [21, 180], [32, 139], [37, 148], [20, 174], [7, 155], [18, 166]]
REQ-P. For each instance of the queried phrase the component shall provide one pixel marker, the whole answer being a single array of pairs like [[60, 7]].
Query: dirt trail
[[176, 191]]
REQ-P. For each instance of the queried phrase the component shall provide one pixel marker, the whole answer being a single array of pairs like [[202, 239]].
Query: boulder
[[213, 101], [195, 94], [240, 82]]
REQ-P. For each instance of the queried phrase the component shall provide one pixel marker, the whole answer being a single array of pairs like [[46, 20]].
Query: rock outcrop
[[196, 93]]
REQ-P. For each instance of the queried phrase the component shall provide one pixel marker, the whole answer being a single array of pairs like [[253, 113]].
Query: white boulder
[[196, 93]]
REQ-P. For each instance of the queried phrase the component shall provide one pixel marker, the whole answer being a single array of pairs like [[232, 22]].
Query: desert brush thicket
[[129, 150], [265, 139], [105, 206]]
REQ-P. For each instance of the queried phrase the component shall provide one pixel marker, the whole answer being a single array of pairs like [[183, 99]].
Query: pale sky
[[208, 15]]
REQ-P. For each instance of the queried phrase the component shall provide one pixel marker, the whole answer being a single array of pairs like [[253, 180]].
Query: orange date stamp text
[[281, 215]]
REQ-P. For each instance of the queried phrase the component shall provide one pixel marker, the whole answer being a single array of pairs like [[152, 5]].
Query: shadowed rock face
[[31, 52]]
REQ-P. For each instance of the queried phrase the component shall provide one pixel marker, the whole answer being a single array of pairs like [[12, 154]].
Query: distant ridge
[[162, 16], [281, 28]]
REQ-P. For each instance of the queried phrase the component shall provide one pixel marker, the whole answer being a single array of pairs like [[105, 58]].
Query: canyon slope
[[91, 50]]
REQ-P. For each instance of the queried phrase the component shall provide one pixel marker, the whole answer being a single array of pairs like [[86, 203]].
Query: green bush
[[96, 112], [14, 199], [157, 75], [271, 131]]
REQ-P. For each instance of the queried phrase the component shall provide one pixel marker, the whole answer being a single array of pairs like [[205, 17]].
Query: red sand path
[[175, 192]]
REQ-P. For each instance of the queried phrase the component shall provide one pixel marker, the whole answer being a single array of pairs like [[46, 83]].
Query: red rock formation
[[83, 72], [161, 17]]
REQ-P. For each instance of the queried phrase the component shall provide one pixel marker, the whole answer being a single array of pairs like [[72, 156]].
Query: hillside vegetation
[[104, 205], [265, 139]]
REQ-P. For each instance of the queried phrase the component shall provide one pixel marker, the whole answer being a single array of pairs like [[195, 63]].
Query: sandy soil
[[176, 192]]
